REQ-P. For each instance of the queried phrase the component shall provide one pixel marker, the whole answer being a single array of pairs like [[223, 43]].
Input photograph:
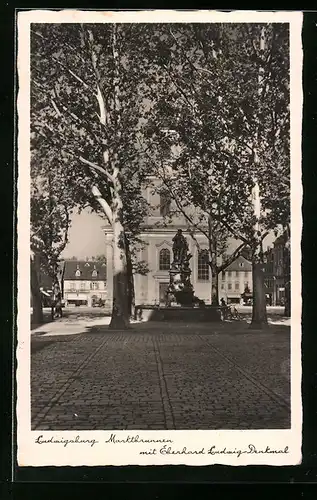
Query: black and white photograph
[[159, 229]]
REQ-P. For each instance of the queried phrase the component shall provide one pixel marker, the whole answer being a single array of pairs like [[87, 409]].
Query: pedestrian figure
[[58, 306], [225, 309], [235, 313], [53, 303], [56, 303], [140, 315]]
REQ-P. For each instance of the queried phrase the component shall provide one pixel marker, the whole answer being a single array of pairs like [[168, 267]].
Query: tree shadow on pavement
[[39, 342]]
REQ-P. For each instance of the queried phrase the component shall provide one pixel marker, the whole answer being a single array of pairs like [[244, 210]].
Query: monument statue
[[180, 247], [180, 288]]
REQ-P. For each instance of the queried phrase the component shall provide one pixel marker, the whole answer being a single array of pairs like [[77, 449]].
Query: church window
[[165, 259], [203, 266]]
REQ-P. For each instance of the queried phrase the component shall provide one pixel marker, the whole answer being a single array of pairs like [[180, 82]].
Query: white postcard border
[[61, 451]]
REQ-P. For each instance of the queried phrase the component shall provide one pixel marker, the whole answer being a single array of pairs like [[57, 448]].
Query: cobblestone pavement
[[162, 376]]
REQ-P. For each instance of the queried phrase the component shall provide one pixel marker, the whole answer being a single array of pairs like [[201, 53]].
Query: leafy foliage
[[87, 105], [225, 96], [51, 206], [85, 101], [106, 98]]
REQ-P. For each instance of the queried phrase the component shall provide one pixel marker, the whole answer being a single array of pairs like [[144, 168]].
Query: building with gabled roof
[[84, 282], [235, 279]]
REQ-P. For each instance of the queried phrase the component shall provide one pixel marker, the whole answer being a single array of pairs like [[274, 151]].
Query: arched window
[[165, 259], [203, 266]]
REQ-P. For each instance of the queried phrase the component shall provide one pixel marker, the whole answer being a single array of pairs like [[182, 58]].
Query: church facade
[[157, 235]]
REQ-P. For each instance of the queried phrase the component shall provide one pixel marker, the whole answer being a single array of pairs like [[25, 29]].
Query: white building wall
[[147, 287], [81, 290], [233, 293]]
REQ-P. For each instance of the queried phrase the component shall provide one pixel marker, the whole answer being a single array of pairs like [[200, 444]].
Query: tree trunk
[[131, 296], [38, 318], [214, 288], [287, 271], [287, 309], [130, 282], [56, 307], [120, 314], [259, 318]]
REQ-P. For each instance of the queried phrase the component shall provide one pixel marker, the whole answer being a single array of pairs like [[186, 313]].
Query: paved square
[[162, 376]]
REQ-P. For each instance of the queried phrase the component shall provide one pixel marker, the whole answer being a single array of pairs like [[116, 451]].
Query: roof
[[240, 264], [86, 268]]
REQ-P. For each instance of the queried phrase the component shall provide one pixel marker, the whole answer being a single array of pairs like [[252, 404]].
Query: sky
[[87, 239], [86, 236]]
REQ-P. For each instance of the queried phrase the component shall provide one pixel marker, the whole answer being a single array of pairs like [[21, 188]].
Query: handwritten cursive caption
[[162, 446], [213, 450]]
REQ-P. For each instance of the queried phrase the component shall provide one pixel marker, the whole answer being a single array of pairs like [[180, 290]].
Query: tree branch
[[104, 172], [44, 221], [73, 49], [63, 245], [180, 90], [103, 203], [232, 258], [72, 73], [100, 96], [81, 120]]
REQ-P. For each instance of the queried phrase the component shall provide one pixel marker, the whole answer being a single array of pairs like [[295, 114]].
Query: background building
[[269, 277], [157, 234], [84, 282], [277, 269], [235, 279]]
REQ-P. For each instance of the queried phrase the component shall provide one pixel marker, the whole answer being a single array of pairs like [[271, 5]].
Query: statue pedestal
[[180, 288], [188, 314]]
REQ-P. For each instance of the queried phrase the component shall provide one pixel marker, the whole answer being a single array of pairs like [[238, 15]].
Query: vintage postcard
[[159, 233]]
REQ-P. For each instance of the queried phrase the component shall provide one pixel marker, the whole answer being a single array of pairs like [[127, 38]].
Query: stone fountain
[[181, 302], [180, 290]]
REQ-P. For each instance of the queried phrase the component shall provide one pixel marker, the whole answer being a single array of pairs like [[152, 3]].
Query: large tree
[[51, 206], [225, 92], [87, 102]]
